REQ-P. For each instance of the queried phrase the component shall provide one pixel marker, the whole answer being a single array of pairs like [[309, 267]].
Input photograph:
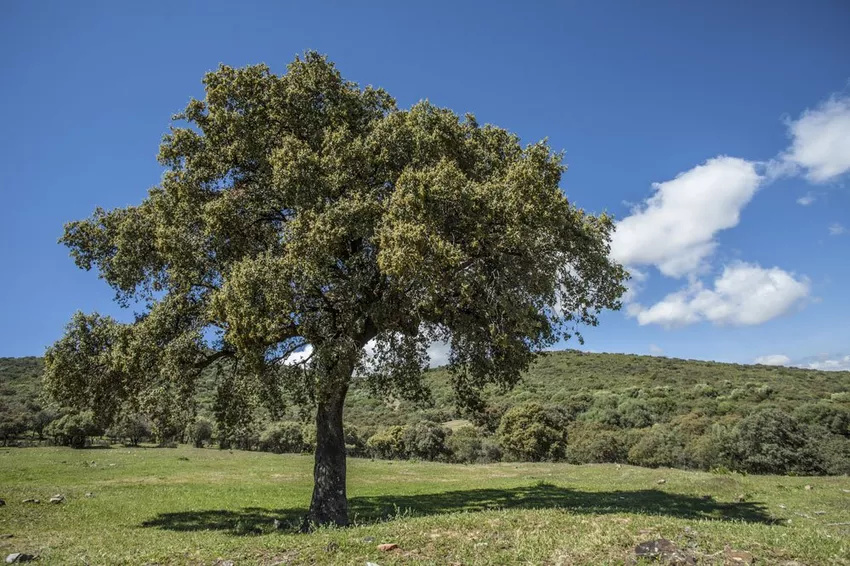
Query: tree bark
[[329, 503]]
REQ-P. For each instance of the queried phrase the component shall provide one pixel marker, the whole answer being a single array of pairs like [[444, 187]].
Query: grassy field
[[196, 506]]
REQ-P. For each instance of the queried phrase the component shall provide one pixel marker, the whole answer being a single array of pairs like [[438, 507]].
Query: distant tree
[[302, 210], [529, 432], [426, 441], [282, 437], [130, 428], [199, 431], [771, 441]]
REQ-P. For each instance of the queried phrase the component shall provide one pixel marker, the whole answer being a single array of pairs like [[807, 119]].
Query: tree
[[301, 210], [199, 431], [529, 432]]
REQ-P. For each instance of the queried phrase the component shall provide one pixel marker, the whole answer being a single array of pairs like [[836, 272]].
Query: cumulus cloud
[[674, 229], [300, 356], [829, 364], [836, 229], [744, 294], [655, 350], [773, 360], [820, 140]]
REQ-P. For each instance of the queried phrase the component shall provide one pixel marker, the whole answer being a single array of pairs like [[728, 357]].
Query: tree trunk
[[329, 504]]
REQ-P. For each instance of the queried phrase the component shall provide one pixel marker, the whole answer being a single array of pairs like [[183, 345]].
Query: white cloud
[[825, 362], [836, 229], [655, 350], [438, 352], [806, 199], [820, 140], [773, 360], [674, 229], [744, 294]]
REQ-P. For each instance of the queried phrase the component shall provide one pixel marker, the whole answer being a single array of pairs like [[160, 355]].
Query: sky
[[717, 133]]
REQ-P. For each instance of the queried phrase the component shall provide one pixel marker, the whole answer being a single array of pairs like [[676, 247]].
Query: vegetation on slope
[[571, 405]]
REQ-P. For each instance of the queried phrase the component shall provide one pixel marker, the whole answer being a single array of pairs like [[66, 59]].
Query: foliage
[[468, 446], [388, 443], [282, 437], [529, 432], [73, 430], [425, 441], [771, 441], [131, 428], [199, 431]]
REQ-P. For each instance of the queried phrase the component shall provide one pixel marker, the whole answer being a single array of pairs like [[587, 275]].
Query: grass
[[195, 506]]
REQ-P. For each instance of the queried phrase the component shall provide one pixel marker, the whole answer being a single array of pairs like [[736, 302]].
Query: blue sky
[[702, 126]]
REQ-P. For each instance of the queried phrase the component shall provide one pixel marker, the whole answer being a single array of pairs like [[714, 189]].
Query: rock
[[659, 482], [18, 557], [57, 499], [2, 502], [807, 487], [738, 557], [89, 494], [221, 562], [781, 506], [386, 547], [332, 547], [820, 512], [31, 500], [741, 498], [368, 539], [371, 564], [664, 551], [846, 490]]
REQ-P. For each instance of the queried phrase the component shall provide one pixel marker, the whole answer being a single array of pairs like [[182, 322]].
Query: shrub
[[73, 430], [529, 432], [131, 429], [282, 437], [634, 413], [425, 440], [199, 432], [387, 443], [355, 441], [831, 416], [771, 441], [591, 442], [660, 445], [466, 445], [834, 453]]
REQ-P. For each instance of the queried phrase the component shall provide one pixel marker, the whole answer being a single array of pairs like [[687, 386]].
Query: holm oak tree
[[301, 210]]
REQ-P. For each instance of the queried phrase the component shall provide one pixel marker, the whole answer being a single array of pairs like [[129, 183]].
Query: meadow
[[208, 506]]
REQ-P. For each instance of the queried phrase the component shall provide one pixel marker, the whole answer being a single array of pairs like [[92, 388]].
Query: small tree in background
[[199, 432], [529, 432], [300, 210]]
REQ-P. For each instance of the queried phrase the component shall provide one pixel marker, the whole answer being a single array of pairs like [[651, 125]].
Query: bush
[[425, 440], [660, 445], [73, 430], [131, 429], [529, 432], [468, 446], [387, 443], [834, 453], [199, 432], [771, 441], [831, 416], [355, 441], [282, 437], [591, 442]]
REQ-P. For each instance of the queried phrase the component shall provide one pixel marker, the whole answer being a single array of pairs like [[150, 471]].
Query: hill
[[582, 407]]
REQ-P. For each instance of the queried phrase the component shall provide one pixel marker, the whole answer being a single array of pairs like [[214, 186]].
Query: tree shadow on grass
[[364, 510]]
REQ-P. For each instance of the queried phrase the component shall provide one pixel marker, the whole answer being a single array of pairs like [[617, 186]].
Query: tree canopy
[[300, 209]]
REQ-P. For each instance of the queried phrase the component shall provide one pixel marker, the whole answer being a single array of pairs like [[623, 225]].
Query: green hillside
[[573, 406]]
